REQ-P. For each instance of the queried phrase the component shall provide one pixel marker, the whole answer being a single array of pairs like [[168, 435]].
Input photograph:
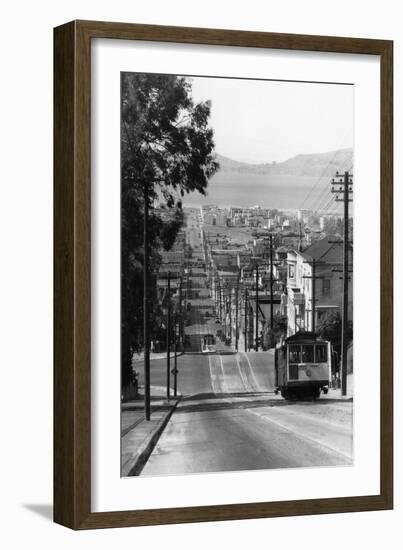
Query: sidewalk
[[336, 393], [139, 357], [138, 436]]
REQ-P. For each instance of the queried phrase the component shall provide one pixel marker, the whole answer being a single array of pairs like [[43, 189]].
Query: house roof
[[325, 251]]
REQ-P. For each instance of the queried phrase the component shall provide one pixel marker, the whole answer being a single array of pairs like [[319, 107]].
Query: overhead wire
[[317, 182]]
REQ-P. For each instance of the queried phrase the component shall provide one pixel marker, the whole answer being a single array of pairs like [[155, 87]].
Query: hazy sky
[[261, 121]]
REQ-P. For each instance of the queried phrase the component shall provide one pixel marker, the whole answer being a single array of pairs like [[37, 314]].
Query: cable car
[[208, 343], [302, 366]]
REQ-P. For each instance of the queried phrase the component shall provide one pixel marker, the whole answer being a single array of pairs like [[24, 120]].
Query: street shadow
[[328, 400], [211, 395], [43, 510], [231, 405], [139, 406], [203, 402]]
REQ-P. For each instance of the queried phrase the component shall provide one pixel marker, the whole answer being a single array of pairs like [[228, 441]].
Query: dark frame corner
[[72, 320]]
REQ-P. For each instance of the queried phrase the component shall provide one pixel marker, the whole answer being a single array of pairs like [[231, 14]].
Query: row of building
[[265, 218], [303, 285]]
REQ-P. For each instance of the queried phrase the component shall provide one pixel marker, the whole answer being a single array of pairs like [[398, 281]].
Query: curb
[[145, 450], [198, 353], [163, 357]]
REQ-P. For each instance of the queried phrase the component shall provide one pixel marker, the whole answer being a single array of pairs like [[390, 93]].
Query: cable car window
[[321, 353], [307, 354], [294, 354]]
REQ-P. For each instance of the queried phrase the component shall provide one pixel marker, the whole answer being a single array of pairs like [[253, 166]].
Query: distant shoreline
[[286, 193]]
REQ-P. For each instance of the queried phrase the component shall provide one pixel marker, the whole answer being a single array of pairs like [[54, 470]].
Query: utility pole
[[225, 295], [246, 319], [169, 337], [236, 311], [230, 315], [300, 238], [345, 188], [178, 319], [215, 291], [175, 369], [257, 308], [146, 335], [271, 282], [219, 297], [313, 299], [236, 318], [313, 277]]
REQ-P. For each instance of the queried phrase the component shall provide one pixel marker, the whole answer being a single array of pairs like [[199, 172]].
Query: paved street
[[217, 373], [229, 419]]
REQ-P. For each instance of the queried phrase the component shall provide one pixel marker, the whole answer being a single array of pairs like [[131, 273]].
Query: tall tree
[[167, 148], [330, 328]]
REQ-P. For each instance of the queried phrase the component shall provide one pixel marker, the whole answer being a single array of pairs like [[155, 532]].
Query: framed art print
[[223, 275]]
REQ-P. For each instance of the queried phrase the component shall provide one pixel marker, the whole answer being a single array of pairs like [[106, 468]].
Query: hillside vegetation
[[319, 164]]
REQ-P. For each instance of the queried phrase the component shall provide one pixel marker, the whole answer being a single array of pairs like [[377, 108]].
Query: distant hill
[[319, 164]]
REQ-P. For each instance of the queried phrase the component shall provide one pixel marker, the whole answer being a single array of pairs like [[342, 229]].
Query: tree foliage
[[333, 226], [330, 328], [167, 150]]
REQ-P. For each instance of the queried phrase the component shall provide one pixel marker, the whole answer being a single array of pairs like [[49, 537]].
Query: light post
[[169, 337], [146, 335]]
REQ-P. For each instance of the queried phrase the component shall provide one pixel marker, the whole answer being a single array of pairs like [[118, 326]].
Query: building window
[[326, 287], [291, 271]]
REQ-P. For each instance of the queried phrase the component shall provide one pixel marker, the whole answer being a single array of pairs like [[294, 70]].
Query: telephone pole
[[271, 282], [215, 292], [230, 315], [146, 335], [169, 337], [257, 308], [236, 311], [345, 189], [246, 319], [219, 298], [178, 320], [224, 302]]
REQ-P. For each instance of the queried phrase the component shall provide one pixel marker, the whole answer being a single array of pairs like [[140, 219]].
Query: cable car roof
[[304, 337]]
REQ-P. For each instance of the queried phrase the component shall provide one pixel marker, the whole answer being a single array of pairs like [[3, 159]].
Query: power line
[[319, 199], [325, 169]]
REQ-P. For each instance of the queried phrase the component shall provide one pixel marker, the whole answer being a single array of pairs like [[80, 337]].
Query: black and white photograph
[[201, 239], [236, 274]]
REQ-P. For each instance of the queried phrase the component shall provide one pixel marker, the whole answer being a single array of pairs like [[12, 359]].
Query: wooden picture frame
[[72, 270]]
